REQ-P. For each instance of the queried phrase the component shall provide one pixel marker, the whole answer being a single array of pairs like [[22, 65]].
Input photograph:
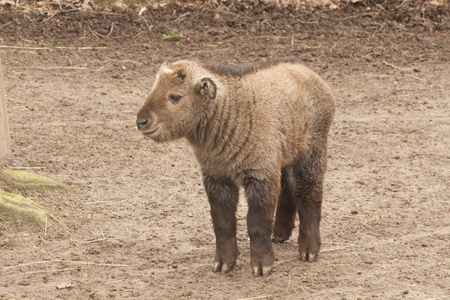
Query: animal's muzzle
[[141, 123]]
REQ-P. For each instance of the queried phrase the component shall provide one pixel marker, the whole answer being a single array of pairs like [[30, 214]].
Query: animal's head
[[179, 98]]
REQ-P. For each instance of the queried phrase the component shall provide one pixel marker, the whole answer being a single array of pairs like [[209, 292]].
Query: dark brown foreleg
[[286, 210], [261, 197], [223, 197]]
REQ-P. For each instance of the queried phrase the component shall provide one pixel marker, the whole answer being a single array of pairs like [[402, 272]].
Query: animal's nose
[[141, 123]]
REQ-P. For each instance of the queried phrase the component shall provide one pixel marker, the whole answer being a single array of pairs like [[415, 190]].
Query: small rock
[[64, 286]]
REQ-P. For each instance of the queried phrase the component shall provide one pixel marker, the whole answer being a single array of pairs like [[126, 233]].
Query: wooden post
[[4, 126]]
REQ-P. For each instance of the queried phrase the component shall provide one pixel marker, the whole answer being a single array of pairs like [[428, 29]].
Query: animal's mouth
[[151, 131]]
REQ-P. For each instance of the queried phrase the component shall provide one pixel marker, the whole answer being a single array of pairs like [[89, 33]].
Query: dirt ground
[[138, 215]]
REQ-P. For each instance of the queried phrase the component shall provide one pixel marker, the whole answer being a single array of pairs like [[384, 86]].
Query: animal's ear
[[208, 88]]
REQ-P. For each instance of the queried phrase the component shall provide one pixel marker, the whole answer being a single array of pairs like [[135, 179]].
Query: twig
[[94, 33], [52, 271], [356, 16], [286, 261], [330, 250], [395, 67], [336, 292], [49, 18], [81, 48], [313, 22], [126, 61], [94, 241], [401, 96], [111, 30], [415, 77], [400, 5], [217, 50], [336, 243], [46, 48], [180, 18], [26, 168], [93, 263], [6, 24], [288, 285], [27, 48], [297, 258], [438, 298], [64, 261], [59, 68], [114, 282], [149, 27], [31, 263], [266, 22], [258, 297], [5, 227]]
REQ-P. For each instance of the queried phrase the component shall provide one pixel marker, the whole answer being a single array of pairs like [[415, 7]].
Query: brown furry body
[[262, 126]]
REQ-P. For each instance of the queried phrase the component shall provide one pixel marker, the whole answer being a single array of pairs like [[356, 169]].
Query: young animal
[[262, 126]]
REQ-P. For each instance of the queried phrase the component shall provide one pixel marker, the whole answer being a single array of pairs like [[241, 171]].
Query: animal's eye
[[175, 98]]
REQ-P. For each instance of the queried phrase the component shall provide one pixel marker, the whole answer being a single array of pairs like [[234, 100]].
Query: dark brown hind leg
[[286, 210], [309, 211], [309, 174]]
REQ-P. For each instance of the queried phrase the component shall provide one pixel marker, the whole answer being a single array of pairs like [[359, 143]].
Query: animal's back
[[293, 105]]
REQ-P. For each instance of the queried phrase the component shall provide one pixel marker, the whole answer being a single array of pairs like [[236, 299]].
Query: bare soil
[[138, 216]]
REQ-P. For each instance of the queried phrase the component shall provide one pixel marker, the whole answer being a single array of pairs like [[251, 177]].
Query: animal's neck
[[207, 129], [225, 132]]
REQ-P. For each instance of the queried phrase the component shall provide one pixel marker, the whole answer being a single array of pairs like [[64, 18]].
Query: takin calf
[[262, 126]]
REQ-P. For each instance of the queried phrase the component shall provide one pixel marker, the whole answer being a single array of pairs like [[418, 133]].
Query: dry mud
[[138, 216]]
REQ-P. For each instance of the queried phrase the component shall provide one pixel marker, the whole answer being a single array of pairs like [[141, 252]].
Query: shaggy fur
[[262, 126]]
